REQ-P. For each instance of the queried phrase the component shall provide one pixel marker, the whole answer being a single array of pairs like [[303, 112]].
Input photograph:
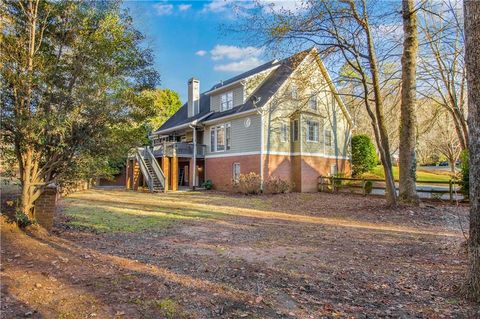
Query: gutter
[[181, 126]]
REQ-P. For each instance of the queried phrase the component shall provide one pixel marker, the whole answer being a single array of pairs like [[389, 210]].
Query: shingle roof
[[266, 90]]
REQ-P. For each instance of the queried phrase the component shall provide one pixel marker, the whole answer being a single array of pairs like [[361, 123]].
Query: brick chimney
[[193, 97]]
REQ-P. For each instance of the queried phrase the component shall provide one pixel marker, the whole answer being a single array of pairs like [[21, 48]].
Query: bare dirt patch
[[207, 255]]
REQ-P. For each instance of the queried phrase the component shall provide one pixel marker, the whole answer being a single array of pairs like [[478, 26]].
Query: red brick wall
[[220, 169], [313, 166], [45, 207], [302, 171], [277, 166]]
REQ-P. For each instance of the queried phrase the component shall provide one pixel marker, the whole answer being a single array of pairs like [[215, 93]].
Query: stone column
[[45, 207]]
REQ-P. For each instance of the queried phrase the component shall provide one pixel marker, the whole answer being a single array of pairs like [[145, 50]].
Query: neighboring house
[[282, 119]]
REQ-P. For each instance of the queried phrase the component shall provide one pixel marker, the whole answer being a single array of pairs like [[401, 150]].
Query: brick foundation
[[45, 207], [220, 169], [313, 166]]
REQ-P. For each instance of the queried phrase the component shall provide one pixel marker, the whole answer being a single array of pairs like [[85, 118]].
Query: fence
[[437, 189]]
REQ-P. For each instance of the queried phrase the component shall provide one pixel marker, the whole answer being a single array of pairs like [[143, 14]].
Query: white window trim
[[224, 106], [308, 131], [214, 129], [310, 104], [283, 138], [239, 172]]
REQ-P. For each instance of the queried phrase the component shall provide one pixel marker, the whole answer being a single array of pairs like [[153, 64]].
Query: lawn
[[422, 175], [118, 254]]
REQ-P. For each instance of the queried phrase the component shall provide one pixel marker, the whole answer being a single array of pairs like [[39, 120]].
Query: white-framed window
[[312, 103], [228, 129], [220, 137], [295, 130], [327, 137], [333, 170], [283, 132], [294, 91], [226, 101], [236, 172], [312, 131]]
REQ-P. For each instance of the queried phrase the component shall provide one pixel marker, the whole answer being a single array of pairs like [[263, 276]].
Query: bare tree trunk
[[407, 162], [385, 157], [472, 50]]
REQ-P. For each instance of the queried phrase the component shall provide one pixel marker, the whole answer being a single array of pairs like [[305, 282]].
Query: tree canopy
[[71, 77]]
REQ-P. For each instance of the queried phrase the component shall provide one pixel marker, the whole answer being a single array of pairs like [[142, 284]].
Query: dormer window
[[226, 101], [313, 103], [294, 91]]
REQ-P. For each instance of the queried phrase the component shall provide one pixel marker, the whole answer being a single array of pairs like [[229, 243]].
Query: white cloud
[[201, 52], [234, 53], [217, 5], [282, 5], [238, 66], [163, 9], [184, 7]]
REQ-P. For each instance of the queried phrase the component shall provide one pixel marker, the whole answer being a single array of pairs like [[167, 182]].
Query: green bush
[[208, 184], [465, 172], [22, 219], [368, 187], [364, 156]]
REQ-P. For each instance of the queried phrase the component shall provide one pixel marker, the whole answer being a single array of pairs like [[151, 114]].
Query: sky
[[188, 40]]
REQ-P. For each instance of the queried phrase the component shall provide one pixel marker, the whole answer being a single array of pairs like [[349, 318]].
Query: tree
[[364, 156], [165, 101], [341, 29], [472, 56], [407, 160], [71, 73], [442, 62]]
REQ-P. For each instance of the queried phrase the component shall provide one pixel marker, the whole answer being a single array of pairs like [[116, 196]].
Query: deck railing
[[180, 149], [451, 189]]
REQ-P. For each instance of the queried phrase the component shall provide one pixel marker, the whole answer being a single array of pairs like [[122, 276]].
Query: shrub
[[368, 187], [208, 184], [276, 185], [465, 172], [22, 219], [364, 156], [250, 184]]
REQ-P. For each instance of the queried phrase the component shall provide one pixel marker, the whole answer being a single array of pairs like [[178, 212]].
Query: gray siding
[[242, 139], [237, 98]]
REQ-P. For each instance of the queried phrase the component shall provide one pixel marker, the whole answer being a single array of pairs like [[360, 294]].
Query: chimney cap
[[193, 79]]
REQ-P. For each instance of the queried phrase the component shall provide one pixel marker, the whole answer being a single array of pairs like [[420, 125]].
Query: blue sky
[[187, 40]]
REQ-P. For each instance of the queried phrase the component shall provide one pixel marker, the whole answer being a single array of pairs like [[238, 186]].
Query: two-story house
[[282, 119]]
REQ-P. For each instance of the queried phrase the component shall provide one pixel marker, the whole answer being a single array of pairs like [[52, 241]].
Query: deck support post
[[166, 171], [174, 172]]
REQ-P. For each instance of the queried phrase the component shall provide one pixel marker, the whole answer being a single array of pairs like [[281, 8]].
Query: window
[[312, 131], [212, 139], [295, 130], [236, 172], [328, 137], [313, 103], [333, 170], [220, 137], [294, 91], [283, 132], [228, 129], [226, 101]]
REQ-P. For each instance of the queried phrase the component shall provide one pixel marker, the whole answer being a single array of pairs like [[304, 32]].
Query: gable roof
[[265, 91]]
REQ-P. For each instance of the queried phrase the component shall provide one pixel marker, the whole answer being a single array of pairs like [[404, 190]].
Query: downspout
[[194, 168]]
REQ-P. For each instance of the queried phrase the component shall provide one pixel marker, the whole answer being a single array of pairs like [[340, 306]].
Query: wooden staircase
[[157, 184], [150, 169]]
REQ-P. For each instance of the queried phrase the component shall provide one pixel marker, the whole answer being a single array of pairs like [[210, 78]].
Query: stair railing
[[143, 168], [156, 167]]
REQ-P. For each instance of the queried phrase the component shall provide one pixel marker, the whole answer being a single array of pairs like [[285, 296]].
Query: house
[[281, 119]]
